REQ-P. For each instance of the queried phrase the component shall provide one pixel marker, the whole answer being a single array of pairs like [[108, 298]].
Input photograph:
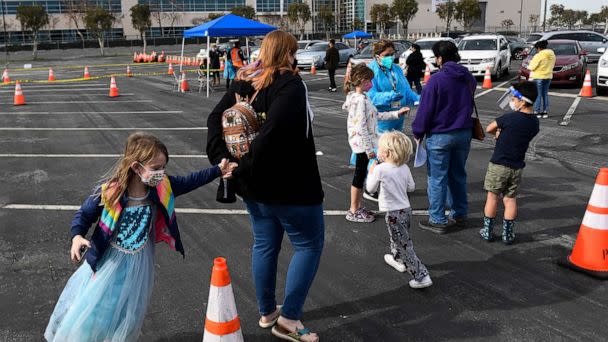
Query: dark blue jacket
[[91, 209], [446, 103]]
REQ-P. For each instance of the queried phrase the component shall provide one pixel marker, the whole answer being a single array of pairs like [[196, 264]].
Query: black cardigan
[[281, 166], [416, 65]]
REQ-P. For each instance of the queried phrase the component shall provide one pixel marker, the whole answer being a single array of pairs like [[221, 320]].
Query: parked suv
[[589, 40], [477, 52], [602, 72]]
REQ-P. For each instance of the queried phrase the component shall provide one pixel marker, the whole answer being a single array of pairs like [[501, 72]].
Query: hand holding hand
[[77, 243], [371, 155], [404, 110], [227, 167]]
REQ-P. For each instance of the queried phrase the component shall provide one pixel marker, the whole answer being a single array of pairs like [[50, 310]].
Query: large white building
[[177, 15]]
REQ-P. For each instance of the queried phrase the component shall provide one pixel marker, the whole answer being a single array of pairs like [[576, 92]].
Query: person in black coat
[[214, 56], [332, 59], [415, 67]]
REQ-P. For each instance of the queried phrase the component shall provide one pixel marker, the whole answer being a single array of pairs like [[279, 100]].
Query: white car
[[478, 52], [426, 46], [602, 72], [302, 45]]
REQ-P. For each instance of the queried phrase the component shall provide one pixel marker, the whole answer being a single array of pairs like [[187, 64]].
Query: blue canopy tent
[[356, 35], [229, 25]]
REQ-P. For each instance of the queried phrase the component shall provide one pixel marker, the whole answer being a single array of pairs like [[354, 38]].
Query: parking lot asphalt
[[61, 142]]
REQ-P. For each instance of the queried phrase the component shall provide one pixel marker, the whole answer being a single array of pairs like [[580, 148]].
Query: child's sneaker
[[359, 216], [390, 260], [508, 235], [425, 282], [486, 231]]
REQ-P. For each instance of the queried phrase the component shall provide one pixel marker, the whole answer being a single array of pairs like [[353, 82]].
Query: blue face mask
[[387, 61]]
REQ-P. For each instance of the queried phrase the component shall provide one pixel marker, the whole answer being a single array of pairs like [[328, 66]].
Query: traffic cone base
[[313, 69], [222, 323], [113, 87], [5, 78], [184, 87], [590, 252], [19, 98], [587, 89], [487, 79], [86, 73]]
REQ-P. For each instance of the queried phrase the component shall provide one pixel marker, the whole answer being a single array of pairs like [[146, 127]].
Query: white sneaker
[[390, 260], [425, 282]]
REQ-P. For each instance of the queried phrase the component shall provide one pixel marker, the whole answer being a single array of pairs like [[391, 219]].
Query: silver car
[[589, 40], [315, 54]]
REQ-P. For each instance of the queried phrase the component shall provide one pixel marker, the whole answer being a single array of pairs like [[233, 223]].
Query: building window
[[193, 5], [56, 6]]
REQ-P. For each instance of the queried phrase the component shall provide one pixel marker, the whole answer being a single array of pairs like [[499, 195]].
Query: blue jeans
[[306, 230], [543, 95], [447, 175]]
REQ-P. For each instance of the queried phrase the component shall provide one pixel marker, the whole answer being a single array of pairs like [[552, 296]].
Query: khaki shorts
[[502, 179]]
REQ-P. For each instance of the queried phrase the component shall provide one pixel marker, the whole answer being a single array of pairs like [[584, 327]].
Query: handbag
[[240, 124], [478, 131]]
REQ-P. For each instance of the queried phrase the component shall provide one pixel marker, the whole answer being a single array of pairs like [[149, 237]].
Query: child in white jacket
[[362, 135]]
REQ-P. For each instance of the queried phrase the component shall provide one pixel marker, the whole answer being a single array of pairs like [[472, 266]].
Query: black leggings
[[360, 170]]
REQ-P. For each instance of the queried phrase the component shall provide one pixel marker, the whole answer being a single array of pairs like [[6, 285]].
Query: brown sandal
[[284, 334], [273, 321]]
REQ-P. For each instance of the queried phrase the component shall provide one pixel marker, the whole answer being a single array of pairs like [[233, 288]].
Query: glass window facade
[[56, 6], [194, 5], [273, 5], [65, 36]]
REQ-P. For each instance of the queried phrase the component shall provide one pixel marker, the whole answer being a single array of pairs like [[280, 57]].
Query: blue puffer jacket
[[382, 94], [90, 212]]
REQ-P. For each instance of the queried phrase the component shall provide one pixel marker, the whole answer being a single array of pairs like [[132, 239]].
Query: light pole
[[521, 13], [4, 30], [545, 17]]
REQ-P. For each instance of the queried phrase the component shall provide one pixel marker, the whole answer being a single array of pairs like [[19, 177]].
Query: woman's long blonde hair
[[141, 147], [274, 55]]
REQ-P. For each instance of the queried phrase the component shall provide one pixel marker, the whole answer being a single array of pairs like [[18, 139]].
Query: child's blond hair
[[397, 146]]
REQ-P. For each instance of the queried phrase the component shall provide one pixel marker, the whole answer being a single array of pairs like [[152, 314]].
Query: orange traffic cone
[[487, 79], [113, 88], [587, 90], [222, 321], [19, 97], [51, 75], [184, 84], [222, 66], [86, 73], [313, 69], [134, 57], [427, 74], [129, 73], [5, 78], [590, 252], [170, 69]]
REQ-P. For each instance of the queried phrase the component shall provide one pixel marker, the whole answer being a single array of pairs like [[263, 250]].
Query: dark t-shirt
[[517, 129]]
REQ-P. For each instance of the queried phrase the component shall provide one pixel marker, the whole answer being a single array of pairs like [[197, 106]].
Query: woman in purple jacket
[[444, 118]]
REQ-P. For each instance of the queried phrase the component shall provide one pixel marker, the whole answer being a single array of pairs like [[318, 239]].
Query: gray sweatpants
[[402, 247]]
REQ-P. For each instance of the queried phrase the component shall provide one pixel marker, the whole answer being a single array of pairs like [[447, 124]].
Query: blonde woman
[[278, 180], [107, 298], [394, 179]]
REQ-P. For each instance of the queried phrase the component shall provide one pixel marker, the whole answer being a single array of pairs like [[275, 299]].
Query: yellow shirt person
[[541, 65]]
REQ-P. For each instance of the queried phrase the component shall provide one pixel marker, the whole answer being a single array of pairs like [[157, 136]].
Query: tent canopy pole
[[208, 62], [181, 60]]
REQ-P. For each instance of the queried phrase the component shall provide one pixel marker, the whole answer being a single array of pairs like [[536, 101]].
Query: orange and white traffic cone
[[222, 321], [313, 69], [113, 87], [134, 57], [129, 73], [590, 252], [5, 78], [487, 79], [427, 74], [170, 69], [184, 87], [86, 73], [19, 99], [51, 75], [587, 89]]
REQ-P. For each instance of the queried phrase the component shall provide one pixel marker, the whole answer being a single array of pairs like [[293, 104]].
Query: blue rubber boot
[[486, 231], [508, 235]]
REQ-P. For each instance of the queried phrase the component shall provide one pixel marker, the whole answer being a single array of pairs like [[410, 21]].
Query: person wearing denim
[[542, 86], [444, 118], [541, 71]]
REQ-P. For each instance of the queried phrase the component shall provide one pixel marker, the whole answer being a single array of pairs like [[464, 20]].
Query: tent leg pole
[[208, 62], [247, 43], [181, 60]]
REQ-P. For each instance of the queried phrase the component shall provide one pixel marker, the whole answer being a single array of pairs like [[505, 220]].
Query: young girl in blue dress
[[106, 299]]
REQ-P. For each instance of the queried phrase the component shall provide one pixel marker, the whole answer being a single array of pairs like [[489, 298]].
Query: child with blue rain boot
[[513, 133]]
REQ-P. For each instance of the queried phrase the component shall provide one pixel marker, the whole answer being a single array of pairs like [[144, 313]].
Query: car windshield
[[366, 52], [478, 44], [317, 47], [533, 38], [302, 45], [427, 45], [560, 49]]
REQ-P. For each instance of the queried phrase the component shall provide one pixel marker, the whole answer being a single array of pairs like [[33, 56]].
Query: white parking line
[[57, 207], [570, 112], [325, 99], [102, 101], [77, 155], [93, 113], [103, 128]]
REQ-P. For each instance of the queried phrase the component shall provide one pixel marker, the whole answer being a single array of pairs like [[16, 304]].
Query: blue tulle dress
[[110, 305]]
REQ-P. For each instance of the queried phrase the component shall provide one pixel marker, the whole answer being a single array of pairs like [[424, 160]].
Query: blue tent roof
[[229, 25], [357, 34]]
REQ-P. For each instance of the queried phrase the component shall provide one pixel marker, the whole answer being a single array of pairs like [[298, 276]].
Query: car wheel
[[506, 72], [602, 91], [496, 75]]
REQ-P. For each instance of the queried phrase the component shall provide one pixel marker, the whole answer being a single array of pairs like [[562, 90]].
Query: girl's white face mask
[[154, 176]]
